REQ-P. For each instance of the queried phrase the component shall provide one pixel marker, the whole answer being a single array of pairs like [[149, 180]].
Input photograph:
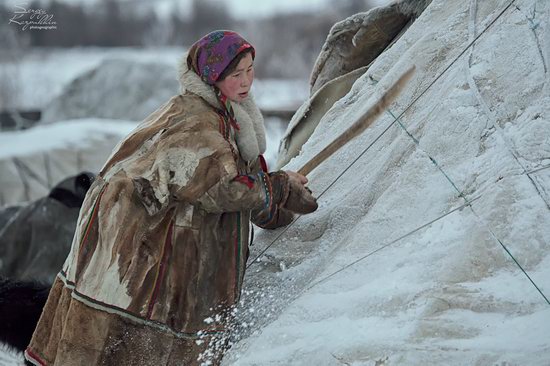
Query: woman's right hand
[[300, 199]]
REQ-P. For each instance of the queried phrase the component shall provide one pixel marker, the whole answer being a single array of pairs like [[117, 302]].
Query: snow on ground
[[395, 268], [10, 357]]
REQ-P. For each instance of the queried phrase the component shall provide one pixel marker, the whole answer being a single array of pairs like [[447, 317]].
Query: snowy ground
[[61, 135], [388, 271], [9, 357]]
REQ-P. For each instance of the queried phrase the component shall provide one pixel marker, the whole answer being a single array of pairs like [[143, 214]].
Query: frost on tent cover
[[433, 247]]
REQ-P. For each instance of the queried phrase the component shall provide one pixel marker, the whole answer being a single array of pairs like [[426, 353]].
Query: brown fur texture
[[356, 41], [160, 244]]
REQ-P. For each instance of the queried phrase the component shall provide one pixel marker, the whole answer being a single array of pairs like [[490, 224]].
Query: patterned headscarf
[[211, 54]]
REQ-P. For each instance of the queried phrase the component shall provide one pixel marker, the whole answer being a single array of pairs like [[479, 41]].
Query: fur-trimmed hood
[[251, 136]]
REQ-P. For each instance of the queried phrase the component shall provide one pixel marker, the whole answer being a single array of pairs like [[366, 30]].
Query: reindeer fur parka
[[162, 238]]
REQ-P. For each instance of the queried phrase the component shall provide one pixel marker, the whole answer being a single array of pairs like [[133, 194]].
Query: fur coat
[[162, 239]]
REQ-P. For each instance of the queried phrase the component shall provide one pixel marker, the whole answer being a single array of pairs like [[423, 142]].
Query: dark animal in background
[[35, 239], [71, 191], [21, 304]]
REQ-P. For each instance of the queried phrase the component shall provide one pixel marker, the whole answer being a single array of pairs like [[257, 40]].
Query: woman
[[162, 238]]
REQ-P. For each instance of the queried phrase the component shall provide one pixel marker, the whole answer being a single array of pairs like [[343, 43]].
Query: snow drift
[[416, 254], [41, 75], [116, 89]]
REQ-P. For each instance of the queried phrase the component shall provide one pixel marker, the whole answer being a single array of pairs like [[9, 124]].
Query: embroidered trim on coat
[[111, 309]]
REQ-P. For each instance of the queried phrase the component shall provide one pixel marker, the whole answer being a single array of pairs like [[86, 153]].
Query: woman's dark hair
[[233, 64]]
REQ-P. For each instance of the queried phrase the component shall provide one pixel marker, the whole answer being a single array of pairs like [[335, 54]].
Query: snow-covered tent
[[33, 161], [431, 245], [115, 89]]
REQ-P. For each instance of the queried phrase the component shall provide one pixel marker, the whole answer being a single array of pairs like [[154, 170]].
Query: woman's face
[[237, 84]]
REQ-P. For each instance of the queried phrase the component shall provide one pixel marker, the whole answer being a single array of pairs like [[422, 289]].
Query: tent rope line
[[491, 116], [483, 221], [470, 44], [468, 203], [536, 170]]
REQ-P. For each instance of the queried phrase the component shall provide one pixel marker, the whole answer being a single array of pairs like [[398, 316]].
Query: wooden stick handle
[[361, 125]]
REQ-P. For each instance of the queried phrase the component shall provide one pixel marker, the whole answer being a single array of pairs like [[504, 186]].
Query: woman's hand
[[300, 199]]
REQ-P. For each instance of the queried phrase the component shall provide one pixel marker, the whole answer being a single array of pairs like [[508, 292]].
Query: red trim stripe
[[245, 179], [263, 163], [92, 217], [32, 357], [161, 270], [237, 258]]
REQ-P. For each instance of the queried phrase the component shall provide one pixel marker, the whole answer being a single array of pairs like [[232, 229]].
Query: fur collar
[[251, 137]]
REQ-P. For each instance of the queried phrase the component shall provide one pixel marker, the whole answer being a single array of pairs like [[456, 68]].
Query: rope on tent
[[387, 128], [460, 194], [468, 203]]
